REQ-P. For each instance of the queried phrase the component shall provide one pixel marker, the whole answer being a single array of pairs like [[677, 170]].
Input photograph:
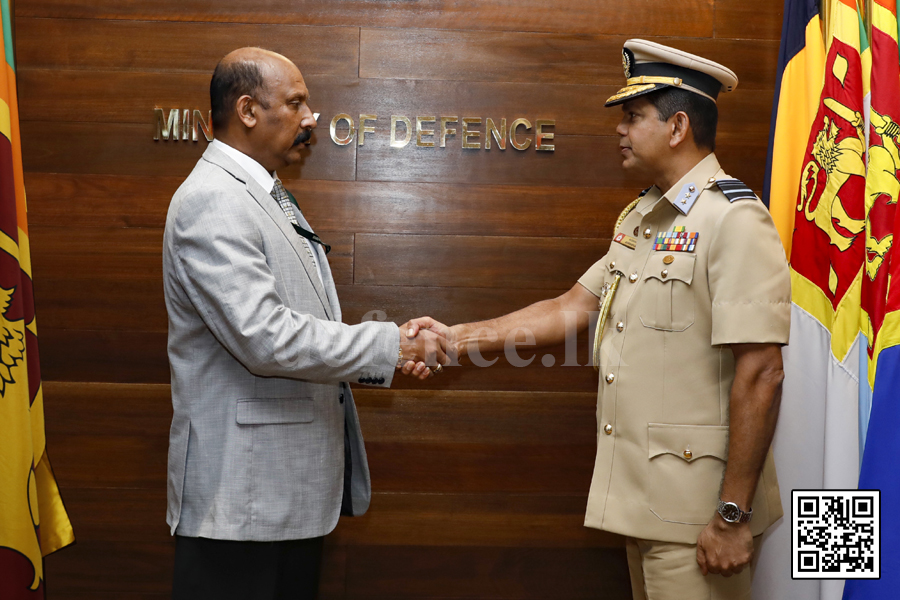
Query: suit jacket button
[[341, 398]]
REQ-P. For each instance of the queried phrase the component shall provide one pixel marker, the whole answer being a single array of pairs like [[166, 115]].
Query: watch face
[[730, 512]]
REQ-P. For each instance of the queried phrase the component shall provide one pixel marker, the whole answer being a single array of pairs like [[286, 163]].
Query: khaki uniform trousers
[[669, 571]]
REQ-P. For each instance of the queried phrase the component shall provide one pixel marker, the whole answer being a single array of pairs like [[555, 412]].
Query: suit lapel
[[268, 204]]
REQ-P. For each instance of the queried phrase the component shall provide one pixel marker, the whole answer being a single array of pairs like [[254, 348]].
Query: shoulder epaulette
[[644, 193], [735, 189]]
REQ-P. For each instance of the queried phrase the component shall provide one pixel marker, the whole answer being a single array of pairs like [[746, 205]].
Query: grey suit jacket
[[258, 358]]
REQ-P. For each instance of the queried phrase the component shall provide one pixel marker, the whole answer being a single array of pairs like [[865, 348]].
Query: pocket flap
[[681, 266], [263, 411], [688, 442]]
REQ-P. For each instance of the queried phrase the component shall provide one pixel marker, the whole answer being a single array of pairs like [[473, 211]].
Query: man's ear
[[246, 110], [680, 127]]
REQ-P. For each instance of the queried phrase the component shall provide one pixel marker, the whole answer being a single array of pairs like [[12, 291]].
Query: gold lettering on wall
[[204, 125], [364, 129], [337, 119], [445, 131], [395, 143], [512, 134], [166, 128], [540, 137], [468, 133], [177, 125], [420, 131], [499, 135], [188, 124]]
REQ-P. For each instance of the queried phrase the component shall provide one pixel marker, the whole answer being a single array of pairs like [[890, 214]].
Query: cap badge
[[626, 62]]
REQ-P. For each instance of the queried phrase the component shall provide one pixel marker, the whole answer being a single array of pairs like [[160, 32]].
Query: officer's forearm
[[755, 400], [549, 321]]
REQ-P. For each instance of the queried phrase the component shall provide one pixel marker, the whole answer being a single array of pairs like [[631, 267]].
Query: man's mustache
[[303, 137]]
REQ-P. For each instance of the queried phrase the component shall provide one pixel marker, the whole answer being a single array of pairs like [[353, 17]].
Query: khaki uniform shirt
[[666, 369]]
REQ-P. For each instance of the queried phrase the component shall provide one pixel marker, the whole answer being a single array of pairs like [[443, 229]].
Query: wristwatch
[[732, 513]]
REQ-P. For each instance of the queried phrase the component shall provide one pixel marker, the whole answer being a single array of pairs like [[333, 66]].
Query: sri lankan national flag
[[33, 521]]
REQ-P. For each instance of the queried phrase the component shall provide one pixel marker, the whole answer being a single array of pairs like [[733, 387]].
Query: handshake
[[426, 346]]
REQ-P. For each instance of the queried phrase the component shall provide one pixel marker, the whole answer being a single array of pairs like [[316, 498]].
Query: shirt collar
[[683, 195], [253, 168]]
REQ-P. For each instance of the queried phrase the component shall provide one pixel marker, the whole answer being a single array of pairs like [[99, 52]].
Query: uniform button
[[620, 326], [607, 429], [712, 179], [341, 398], [612, 265], [610, 377], [665, 273], [636, 231], [688, 454], [633, 277], [647, 233], [692, 189]]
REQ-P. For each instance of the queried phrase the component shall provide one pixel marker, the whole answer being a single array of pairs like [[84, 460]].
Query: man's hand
[[724, 548], [423, 347]]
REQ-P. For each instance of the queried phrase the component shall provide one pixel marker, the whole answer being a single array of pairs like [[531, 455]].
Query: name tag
[[626, 240]]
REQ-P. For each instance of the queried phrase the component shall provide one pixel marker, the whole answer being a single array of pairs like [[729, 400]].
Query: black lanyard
[[304, 233]]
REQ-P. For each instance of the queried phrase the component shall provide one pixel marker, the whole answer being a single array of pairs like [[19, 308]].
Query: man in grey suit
[[265, 449]]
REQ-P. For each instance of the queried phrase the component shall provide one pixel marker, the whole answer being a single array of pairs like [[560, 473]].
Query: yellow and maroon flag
[[798, 86], [33, 521]]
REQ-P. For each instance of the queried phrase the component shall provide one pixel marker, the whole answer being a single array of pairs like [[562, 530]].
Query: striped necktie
[[284, 201]]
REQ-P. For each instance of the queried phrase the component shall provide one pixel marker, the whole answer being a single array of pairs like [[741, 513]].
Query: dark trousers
[[236, 570]]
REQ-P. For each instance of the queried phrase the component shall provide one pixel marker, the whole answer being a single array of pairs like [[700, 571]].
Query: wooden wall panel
[[757, 20], [645, 17], [460, 235], [532, 574], [540, 57], [163, 46], [468, 261]]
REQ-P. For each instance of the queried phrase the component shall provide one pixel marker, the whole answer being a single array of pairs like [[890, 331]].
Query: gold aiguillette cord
[[608, 293]]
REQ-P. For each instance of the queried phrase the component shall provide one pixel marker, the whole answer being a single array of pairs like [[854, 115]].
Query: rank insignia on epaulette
[[626, 240], [677, 240], [735, 189]]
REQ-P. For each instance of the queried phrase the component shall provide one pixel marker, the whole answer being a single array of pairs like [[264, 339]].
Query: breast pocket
[[667, 300]]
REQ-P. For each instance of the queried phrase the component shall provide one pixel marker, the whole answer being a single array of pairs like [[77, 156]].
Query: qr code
[[836, 534]]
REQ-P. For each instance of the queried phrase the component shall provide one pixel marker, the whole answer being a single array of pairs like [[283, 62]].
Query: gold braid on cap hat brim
[[608, 293], [636, 85]]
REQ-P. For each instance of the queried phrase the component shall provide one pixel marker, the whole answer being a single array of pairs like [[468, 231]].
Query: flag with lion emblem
[[33, 521]]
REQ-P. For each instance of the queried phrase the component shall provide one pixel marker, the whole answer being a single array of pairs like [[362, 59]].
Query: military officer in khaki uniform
[[694, 299]]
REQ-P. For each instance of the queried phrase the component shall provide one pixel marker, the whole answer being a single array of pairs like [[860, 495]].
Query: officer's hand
[[724, 548], [426, 349], [412, 328]]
